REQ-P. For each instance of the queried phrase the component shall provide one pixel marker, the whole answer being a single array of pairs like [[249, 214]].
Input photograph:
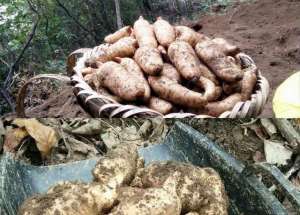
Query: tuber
[[211, 91], [124, 85], [125, 47], [248, 82], [164, 32], [223, 66], [188, 35], [133, 68], [171, 73], [114, 37], [187, 63], [176, 93], [219, 107], [144, 33], [160, 105], [149, 59]]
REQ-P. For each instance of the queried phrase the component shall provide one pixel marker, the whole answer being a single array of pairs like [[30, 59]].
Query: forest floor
[[267, 30]]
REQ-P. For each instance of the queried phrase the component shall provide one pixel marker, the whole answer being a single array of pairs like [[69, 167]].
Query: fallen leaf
[[13, 139], [93, 127], [46, 137], [276, 153]]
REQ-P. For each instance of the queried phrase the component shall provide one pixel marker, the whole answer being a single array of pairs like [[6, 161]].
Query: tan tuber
[[149, 59], [164, 31], [144, 33], [176, 93], [114, 37], [114, 77]]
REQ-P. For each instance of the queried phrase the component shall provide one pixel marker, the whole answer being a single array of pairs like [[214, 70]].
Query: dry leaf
[[276, 153], [13, 139], [45, 136]]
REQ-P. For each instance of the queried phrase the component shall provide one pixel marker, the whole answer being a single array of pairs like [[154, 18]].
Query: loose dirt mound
[[267, 30]]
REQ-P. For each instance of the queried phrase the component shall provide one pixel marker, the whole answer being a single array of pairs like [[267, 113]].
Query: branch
[[118, 13], [16, 63], [73, 18], [4, 62]]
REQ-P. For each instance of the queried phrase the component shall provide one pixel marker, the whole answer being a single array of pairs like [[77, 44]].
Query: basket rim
[[250, 108]]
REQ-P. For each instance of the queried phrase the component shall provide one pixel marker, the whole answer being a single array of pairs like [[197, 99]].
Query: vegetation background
[[36, 36]]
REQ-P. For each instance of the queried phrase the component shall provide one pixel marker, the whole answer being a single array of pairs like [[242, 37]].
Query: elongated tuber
[[176, 93], [114, 37], [160, 105], [188, 35], [217, 108], [133, 68], [171, 72], [124, 85], [248, 82], [223, 66], [164, 32], [187, 63], [211, 91], [144, 33], [149, 60], [125, 47], [231, 88]]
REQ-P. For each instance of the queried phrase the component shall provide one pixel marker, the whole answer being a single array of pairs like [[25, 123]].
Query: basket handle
[[22, 92], [72, 58]]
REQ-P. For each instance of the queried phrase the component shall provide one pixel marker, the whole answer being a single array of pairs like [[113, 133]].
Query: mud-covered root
[[211, 91], [188, 35], [114, 77], [160, 105], [133, 68], [176, 93], [144, 33], [219, 107], [114, 37], [171, 73], [124, 47], [186, 61], [149, 59], [164, 32], [248, 82], [224, 67]]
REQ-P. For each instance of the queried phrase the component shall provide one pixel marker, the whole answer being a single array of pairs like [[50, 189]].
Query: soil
[[241, 142], [267, 30]]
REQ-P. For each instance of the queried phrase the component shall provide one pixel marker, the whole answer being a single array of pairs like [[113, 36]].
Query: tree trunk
[[118, 13]]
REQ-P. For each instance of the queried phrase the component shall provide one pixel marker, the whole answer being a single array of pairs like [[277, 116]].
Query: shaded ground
[[267, 30]]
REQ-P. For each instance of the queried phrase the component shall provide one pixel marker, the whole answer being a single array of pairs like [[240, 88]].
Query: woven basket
[[100, 106]]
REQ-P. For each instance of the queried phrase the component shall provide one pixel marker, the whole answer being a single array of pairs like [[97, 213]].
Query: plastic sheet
[[286, 101]]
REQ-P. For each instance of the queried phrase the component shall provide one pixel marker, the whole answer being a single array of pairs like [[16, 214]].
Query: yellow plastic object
[[286, 101]]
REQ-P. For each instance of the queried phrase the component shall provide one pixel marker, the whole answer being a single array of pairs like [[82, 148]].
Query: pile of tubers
[[170, 69], [123, 185]]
